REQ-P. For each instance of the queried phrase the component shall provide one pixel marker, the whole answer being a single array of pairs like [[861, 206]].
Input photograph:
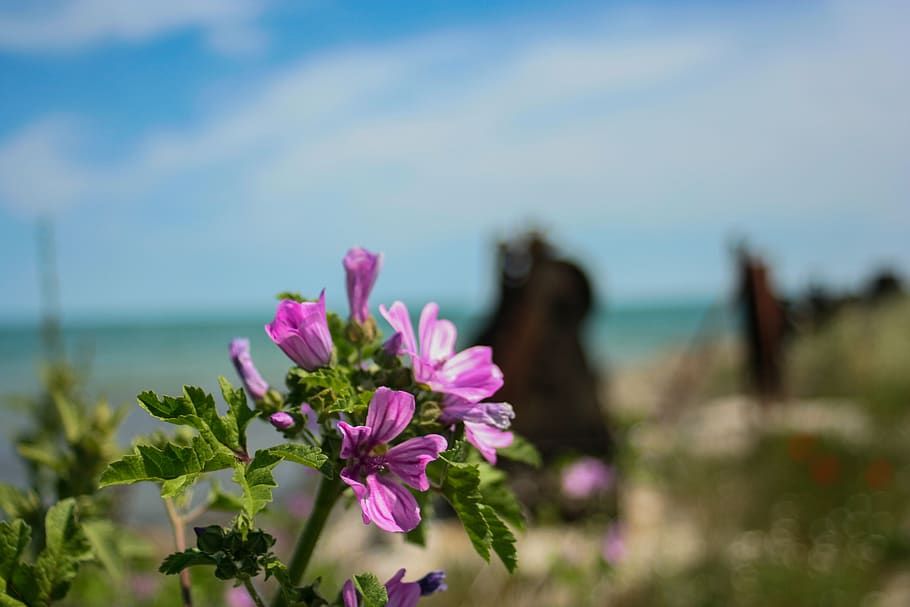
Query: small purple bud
[[392, 345], [301, 330], [435, 581], [281, 420], [361, 268], [252, 381]]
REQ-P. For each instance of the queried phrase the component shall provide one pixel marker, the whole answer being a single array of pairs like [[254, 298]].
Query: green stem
[[177, 523], [329, 491], [253, 594]]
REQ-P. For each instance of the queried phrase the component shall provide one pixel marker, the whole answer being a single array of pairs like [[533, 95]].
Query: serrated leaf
[[14, 540], [177, 486], [521, 450], [461, 491], [239, 412], [327, 389], [497, 494], [178, 561], [151, 463], [196, 409], [372, 592], [307, 455], [502, 540], [65, 547], [256, 482]]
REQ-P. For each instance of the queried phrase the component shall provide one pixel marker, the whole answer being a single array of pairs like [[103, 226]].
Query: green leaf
[[177, 486], [461, 491], [65, 547], [257, 482], [327, 390], [496, 494], [219, 500], [151, 463], [418, 535], [103, 537], [521, 450], [14, 540], [307, 455], [69, 415], [195, 409], [373, 594], [503, 542], [6, 600], [43, 455], [239, 413], [178, 561], [17, 503]]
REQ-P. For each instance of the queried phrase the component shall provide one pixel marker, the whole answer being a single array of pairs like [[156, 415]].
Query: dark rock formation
[[535, 333]]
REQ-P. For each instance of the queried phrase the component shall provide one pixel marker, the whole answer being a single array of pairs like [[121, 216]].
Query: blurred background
[[717, 194]]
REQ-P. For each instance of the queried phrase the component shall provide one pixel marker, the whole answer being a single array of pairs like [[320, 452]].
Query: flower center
[[374, 464]]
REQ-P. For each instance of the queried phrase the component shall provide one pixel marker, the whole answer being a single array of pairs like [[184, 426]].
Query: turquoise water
[[125, 358]]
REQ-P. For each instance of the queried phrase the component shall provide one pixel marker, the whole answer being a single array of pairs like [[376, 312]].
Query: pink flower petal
[[360, 490], [470, 374], [402, 594], [487, 439], [437, 337], [398, 317], [389, 505], [349, 594], [409, 459], [389, 413], [355, 440]]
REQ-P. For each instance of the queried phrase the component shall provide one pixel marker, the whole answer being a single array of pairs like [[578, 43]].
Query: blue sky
[[206, 155]]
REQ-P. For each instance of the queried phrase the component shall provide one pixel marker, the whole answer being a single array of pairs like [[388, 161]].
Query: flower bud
[[252, 381], [301, 330], [361, 268], [435, 581], [281, 420]]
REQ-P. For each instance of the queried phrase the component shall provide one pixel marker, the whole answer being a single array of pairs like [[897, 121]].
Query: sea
[[122, 358]]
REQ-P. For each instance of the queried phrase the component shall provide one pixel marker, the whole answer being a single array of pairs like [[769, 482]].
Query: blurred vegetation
[[810, 506]]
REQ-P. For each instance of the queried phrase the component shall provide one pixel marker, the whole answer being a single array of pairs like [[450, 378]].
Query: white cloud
[[38, 173], [66, 25], [687, 124]]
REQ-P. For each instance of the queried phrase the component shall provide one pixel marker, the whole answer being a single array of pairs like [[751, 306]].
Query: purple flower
[[433, 582], [614, 547], [401, 594], [281, 420], [469, 374], [455, 409], [252, 381], [484, 423], [487, 439], [586, 477], [361, 268], [302, 332], [392, 345], [373, 472]]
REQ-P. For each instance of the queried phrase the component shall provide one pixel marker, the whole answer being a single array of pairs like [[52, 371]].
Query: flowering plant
[[392, 422]]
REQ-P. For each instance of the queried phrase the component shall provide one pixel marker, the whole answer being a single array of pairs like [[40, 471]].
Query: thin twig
[[177, 523]]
